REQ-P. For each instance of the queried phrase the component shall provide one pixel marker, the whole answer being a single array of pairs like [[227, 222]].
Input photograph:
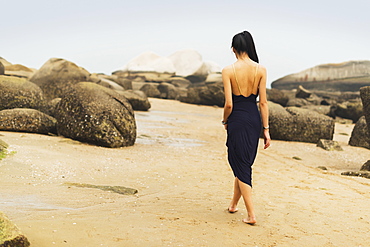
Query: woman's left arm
[[228, 107]]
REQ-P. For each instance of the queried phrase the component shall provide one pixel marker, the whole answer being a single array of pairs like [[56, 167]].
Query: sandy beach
[[179, 167]]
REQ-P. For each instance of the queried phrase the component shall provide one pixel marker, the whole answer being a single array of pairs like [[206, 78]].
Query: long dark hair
[[243, 42]]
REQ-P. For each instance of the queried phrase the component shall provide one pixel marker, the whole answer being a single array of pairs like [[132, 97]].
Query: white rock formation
[[150, 62], [188, 62]]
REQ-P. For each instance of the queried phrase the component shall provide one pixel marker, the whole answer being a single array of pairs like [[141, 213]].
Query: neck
[[242, 56]]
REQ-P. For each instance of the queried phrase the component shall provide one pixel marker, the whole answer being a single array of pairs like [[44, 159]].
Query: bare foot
[[232, 210], [250, 220]]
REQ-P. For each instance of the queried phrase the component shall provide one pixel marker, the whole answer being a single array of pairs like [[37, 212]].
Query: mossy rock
[[27, 120], [19, 93], [10, 235], [97, 115]]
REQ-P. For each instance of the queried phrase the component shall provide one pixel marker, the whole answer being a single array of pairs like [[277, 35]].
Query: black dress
[[243, 131]]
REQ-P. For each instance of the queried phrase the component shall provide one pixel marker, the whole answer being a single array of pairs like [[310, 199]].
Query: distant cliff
[[347, 76]]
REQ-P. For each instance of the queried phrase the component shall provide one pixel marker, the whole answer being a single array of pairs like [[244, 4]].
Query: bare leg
[[236, 196], [246, 192]]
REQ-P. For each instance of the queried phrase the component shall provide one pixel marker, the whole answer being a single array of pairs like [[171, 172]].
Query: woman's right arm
[[264, 108]]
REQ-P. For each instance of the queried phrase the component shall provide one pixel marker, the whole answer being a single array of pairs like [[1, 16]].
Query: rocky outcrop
[[10, 235], [347, 76], [94, 114], [365, 97], [138, 100], [27, 120], [57, 75], [19, 93], [206, 94], [296, 124], [185, 63]]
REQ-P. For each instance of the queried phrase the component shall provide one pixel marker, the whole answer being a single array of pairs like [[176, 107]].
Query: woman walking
[[244, 81]]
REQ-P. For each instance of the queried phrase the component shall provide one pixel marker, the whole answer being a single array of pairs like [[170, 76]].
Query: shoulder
[[227, 68], [261, 69]]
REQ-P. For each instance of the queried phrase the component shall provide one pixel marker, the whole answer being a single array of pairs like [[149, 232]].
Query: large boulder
[[167, 91], [151, 90], [365, 97], [347, 76], [10, 235], [19, 71], [27, 120], [277, 96], [189, 64], [57, 75], [2, 69], [206, 94], [19, 93], [360, 136], [296, 124], [138, 100], [120, 80], [349, 110], [98, 115]]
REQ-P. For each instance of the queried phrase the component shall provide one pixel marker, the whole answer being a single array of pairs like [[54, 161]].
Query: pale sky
[[102, 36]]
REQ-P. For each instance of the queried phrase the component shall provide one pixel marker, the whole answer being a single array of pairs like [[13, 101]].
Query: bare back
[[245, 78]]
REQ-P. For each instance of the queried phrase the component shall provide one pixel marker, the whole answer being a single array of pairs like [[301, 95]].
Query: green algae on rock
[[10, 235], [116, 189], [3, 147]]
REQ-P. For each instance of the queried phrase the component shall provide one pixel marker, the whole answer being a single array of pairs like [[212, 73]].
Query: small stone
[[322, 168], [329, 145], [296, 158]]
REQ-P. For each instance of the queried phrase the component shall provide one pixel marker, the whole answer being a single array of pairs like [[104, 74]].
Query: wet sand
[[179, 167]]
